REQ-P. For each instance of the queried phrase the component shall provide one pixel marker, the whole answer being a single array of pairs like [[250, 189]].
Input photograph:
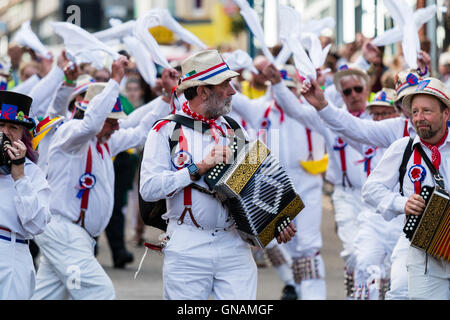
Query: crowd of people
[[73, 138]]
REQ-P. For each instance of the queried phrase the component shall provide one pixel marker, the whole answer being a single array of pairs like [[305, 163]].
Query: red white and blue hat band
[[206, 74]]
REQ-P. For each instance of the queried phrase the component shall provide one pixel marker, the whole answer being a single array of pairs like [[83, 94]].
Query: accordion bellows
[[431, 231], [257, 191]]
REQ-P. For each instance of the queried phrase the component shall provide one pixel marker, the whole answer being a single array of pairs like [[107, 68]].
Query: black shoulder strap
[[185, 121], [402, 170], [436, 175]]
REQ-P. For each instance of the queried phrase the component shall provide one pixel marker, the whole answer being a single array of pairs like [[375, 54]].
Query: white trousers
[[17, 275], [306, 243], [428, 277], [68, 267], [347, 205], [399, 273], [203, 263], [374, 245]]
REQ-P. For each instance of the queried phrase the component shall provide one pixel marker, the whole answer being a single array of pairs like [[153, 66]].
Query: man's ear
[[203, 92]]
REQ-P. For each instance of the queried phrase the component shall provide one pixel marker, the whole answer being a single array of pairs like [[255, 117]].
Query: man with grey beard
[[204, 255]]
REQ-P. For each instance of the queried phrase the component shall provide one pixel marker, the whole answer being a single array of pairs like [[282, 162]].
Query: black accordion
[[257, 192], [430, 231]]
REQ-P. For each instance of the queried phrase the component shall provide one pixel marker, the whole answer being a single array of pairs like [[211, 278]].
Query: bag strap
[[436, 174], [402, 170]]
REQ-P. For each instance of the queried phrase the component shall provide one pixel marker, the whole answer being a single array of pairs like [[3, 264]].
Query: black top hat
[[15, 107]]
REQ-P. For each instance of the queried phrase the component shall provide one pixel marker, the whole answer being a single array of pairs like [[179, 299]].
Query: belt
[[3, 237]]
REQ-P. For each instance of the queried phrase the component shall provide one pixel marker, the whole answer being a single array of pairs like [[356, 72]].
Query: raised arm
[[75, 133]]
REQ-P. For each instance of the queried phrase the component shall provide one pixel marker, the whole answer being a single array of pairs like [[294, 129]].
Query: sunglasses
[[348, 91]]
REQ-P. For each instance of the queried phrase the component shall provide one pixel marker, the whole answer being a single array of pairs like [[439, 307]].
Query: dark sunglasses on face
[[348, 91]]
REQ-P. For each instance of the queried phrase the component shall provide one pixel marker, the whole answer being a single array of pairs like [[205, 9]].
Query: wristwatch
[[193, 172]]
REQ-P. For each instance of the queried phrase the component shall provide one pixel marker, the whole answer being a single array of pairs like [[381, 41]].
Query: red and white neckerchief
[[100, 149], [215, 128], [435, 154]]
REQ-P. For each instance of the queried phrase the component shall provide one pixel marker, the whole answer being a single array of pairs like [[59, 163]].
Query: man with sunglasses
[[342, 171]]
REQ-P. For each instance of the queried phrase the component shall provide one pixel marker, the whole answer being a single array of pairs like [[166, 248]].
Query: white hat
[[205, 67], [430, 86], [406, 82], [81, 85], [346, 70], [384, 97], [95, 89], [289, 76]]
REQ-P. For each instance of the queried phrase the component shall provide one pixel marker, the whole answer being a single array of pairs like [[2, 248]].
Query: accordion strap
[[436, 174]]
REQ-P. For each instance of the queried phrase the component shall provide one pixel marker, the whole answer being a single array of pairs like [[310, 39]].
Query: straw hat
[[430, 86], [346, 70], [384, 97], [206, 67], [95, 89], [406, 82], [81, 85]]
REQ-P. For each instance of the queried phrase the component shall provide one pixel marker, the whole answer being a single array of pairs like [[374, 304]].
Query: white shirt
[[159, 177], [307, 115], [382, 188], [24, 208], [287, 140], [67, 160], [378, 133], [43, 92]]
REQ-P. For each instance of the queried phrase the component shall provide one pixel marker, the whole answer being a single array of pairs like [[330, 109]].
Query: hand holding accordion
[[430, 231]]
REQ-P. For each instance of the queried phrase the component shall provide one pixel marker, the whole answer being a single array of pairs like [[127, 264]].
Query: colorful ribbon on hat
[[206, 74], [411, 80]]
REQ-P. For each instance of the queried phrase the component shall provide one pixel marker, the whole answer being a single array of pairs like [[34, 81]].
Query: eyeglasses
[[348, 91], [382, 114]]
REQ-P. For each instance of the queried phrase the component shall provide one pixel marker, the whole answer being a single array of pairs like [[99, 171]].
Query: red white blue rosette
[[417, 173], [339, 144], [265, 123], [86, 181], [181, 159]]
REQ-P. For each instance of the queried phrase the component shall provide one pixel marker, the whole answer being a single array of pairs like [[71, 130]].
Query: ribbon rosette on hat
[[422, 85], [181, 159], [339, 144], [417, 173], [87, 181]]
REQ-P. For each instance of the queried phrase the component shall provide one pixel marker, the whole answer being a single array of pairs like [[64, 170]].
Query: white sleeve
[[381, 189], [377, 133], [124, 139], [60, 102], [158, 105], [26, 86], [43, 92], [303, 113], [76, 133], [32, 203], [157, 180]]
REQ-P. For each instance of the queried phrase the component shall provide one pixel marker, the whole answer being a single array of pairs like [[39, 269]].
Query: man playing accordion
[[428, 275], [204, 254]]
